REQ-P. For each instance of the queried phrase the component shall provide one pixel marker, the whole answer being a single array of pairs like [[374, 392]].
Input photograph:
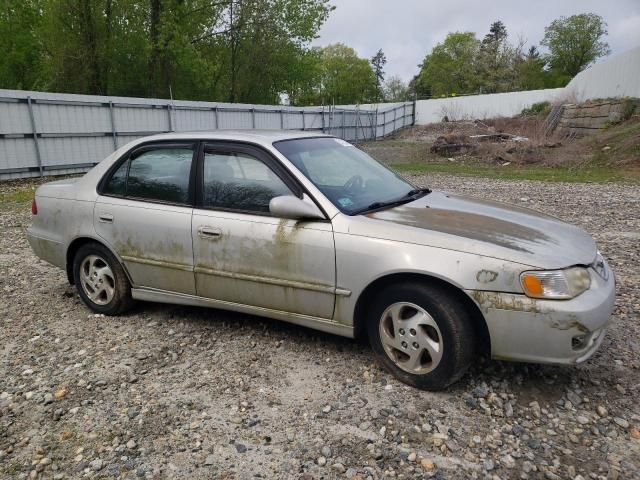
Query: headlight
[[556, 284]]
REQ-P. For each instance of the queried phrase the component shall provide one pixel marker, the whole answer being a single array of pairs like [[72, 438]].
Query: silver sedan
[[309, 229]]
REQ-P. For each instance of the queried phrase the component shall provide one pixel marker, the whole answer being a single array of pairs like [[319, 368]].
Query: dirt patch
[[466, 142]]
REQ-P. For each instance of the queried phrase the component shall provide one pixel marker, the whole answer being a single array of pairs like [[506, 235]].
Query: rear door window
[[157, 174]]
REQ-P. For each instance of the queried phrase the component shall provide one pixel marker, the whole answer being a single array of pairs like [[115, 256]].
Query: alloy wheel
[[411, 338], [97, 279]]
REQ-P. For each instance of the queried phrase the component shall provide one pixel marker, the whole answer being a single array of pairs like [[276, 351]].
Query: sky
[[406, 30]]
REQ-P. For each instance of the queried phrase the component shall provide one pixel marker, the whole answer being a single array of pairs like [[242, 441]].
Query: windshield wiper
[[416, 191], [379, 205], [408, 197]]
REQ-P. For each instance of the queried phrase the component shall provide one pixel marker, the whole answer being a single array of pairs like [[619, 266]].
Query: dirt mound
[[512, 140]]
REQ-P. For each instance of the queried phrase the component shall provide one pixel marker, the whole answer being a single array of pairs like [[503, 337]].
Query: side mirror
[[288, 206]]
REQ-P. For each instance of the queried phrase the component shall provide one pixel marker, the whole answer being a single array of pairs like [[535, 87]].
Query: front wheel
[[101, 281], [421, 334]]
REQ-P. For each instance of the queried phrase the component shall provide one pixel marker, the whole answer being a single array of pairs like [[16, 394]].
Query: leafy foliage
[[448, 68], [21, 49], [227, 50], [536, 109], [463, 64], [575, 42], [343, 78], [395, 90]]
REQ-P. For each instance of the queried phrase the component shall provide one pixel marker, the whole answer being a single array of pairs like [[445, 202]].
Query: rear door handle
[[209, 233], [105, 218]]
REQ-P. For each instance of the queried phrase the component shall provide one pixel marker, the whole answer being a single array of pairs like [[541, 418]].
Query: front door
[[243, 254], [144, 214]]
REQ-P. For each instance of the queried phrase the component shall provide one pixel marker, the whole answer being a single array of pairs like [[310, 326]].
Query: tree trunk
[[95, 86], [107, 49], [232, 91], [155, 60]]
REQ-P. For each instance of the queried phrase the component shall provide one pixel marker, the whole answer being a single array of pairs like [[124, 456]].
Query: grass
[[21, 195], [16, 197], [591, 174]]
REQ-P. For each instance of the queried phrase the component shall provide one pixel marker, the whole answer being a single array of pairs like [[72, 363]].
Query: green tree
[[97, 47], [395, 90], [450, 67], [532, 73], [418, 87], [20, 61], [261, 46], [344, 78], [575, 42], [497, 61], [497, 33], [229, 50], [378, 61]]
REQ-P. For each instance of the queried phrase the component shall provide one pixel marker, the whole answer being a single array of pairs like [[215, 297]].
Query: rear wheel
[[421, 334], [101, 280]]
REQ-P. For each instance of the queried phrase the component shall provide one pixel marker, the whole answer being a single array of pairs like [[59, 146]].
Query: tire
[[108, 291], [430, 325]]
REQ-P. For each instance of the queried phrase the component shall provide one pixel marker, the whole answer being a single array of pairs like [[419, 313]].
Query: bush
[[536, 109]]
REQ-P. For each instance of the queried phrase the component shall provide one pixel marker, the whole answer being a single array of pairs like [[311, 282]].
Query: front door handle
[[105, 218], [209, 233]]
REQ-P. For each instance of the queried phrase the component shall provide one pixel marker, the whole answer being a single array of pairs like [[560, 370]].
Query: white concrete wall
[[482, 106], [618, 76]]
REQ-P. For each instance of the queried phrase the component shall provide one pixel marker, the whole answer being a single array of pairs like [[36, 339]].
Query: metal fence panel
[[151, 118], [14, 118], [45, 133], [193, 120]]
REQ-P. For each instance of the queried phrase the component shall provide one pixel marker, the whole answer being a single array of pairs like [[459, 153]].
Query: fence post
[[170, 120], [357, 118], [395, 117], [414, 110], [215, 112], [282, 119], [35, 136], [343, 136], [253, 118], [374, 128], [384, 123], [114, 134], [304, 126], [322, 118]]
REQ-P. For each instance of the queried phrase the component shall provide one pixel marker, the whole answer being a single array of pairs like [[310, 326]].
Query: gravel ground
[[175, 392]]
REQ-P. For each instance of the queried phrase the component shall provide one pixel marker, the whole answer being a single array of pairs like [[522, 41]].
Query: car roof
[[265, 137]]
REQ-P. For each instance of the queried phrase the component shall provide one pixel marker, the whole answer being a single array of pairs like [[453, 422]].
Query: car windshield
[[352, 180]]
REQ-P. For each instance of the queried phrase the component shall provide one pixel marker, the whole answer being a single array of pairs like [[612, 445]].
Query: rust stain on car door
[[266, 262]]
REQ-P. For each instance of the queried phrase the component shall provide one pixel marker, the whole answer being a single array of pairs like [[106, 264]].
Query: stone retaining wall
[[587, 118]]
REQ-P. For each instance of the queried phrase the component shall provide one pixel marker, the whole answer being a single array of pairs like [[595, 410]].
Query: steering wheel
[[354, 184]]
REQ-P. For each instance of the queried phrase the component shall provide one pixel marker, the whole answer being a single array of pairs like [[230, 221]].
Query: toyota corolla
[[309, 229]]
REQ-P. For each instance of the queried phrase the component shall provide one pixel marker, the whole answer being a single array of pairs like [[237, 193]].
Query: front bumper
[[548, 331]]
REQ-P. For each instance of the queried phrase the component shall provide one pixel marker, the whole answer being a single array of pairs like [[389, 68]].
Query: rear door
[[144, 214], [242, 253]]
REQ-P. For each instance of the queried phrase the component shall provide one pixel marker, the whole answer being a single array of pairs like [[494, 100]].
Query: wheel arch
[[364, 301], [75, 245]]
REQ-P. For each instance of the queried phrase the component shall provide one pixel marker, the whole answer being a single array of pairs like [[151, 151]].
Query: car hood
[[488, 228]]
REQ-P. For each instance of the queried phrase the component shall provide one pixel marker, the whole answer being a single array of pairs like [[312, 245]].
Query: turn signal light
[[532, 285], [34, 207]]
